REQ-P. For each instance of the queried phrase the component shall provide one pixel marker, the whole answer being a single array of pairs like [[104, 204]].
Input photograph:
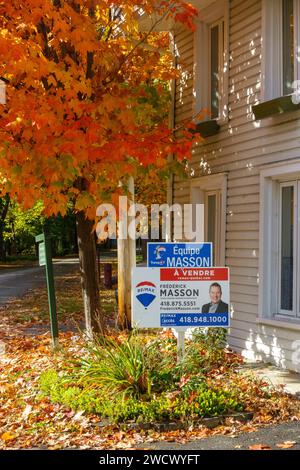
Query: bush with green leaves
[[183, 406], [206, 351], [133, 367]]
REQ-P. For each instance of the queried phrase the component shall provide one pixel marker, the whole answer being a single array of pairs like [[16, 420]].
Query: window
[[212, 221], [279, 276], [216, 51], [286, 275], [281, 47], [211, 191], [288, 56], [210, 61]]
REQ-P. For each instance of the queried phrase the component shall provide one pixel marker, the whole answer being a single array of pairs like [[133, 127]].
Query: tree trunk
[[89, 274], [2, 246], [4, 204]]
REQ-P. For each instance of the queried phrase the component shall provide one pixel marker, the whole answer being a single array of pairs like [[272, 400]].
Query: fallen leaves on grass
[[28, 420]]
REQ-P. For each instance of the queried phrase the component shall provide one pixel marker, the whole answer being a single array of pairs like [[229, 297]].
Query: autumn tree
[[80, 111]]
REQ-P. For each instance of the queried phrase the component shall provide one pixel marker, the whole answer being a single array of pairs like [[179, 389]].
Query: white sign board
[[180, 297]]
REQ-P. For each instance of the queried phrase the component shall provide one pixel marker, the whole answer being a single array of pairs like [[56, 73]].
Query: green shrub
[[205, 351], [60, 391], [161, 362], [48, 380], [208, 402], [201, 402]]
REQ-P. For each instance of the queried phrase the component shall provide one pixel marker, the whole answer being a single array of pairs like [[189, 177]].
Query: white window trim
[[213, 183], [268, 260], [272, 67], [201, 87], [217, 235]]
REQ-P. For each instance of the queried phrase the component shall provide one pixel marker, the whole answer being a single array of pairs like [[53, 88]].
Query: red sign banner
[[194, 274]]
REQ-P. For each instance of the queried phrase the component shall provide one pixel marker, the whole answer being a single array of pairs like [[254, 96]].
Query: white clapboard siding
[[238, 244], [243, 281], [241, 253], [244, 217], [237, 288]]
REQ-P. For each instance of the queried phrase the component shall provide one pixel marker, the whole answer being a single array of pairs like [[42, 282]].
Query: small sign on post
[[45, 259], [179, 255], [42, 254]]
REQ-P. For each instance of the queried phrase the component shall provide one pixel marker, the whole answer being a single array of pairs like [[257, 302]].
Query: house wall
[[241, 148]]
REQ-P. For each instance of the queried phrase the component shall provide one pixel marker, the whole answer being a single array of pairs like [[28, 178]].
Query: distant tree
[[21, 227], [62, 230]]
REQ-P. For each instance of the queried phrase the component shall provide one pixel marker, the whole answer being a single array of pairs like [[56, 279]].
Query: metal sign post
[[45, 259]]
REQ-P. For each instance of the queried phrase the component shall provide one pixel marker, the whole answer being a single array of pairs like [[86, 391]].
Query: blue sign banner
[[194, 320], [179, 255]]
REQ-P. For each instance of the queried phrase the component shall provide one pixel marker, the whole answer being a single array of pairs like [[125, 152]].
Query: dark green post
[[45, 259]]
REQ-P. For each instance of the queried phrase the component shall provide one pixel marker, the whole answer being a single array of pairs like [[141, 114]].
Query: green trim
[[207, 128], [280, 105]]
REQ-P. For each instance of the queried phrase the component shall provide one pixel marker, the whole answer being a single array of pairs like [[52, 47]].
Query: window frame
[[282, 312], [272, 48], [272, 178], [216, 13], [218, 217], [220, 23]]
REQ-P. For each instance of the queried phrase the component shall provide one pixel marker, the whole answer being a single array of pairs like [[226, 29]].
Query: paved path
[[16, 282], [269, 435]]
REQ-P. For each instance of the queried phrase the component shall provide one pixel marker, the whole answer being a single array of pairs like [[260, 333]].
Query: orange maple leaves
[[80, 103]]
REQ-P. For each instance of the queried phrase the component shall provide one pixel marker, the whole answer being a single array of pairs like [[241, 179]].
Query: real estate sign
[[179, 255], [180, 297]]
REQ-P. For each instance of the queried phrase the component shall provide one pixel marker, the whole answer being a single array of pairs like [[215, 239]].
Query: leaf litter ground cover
[[29, 419]]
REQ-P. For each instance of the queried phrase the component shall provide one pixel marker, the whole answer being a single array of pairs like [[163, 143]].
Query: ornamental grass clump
[[116, 368]]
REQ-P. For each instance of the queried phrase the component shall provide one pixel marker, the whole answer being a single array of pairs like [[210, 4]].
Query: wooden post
[[126, 261], [180, 345]]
